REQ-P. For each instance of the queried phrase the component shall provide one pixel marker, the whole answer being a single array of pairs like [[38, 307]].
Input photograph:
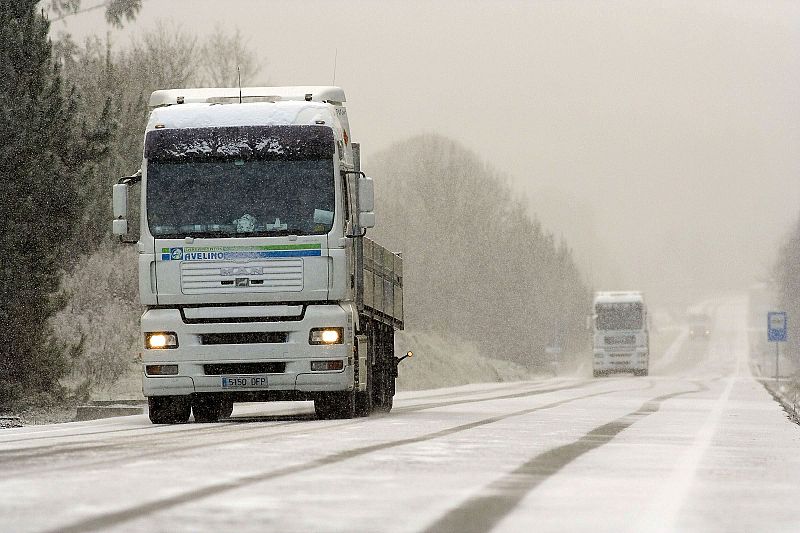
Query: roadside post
[[554, 351], [776, 332]]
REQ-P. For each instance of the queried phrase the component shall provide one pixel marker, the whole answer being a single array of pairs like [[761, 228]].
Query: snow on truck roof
[[618, 296], [253, 114], [221, 95]]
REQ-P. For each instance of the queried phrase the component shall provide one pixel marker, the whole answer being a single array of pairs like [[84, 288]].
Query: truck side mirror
[[366, 202], [366, 194], [366, 219], [120, 207]]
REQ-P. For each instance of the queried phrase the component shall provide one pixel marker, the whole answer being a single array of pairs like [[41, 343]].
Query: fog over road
[[697, 446]]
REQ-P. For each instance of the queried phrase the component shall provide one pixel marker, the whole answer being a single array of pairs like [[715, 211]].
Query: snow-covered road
[[697, 446]]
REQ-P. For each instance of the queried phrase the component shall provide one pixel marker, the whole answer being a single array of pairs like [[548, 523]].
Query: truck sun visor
[[283, 143]]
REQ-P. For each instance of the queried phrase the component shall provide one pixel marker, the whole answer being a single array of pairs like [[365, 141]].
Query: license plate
[[244, 382]]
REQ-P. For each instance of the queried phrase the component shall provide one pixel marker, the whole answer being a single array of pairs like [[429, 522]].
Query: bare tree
[[478, 266], [163, 58], [224, 53]]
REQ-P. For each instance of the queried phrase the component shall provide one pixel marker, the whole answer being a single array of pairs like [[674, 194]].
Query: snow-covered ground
[[441, 363], [697, 446]]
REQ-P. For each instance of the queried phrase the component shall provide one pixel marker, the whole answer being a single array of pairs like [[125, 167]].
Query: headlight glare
[[161, 340], [326, 336]]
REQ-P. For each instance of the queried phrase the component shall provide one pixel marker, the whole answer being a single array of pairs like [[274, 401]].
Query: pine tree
[[43, 153]]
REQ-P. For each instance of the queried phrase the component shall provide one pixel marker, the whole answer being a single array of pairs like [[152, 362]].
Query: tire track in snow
[[149, 508], [14, 457], [484, 511]]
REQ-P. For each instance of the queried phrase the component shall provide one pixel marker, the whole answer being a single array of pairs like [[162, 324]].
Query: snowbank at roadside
[[442, 363]]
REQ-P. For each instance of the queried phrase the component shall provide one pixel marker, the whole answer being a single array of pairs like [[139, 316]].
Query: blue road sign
[[776, 326]]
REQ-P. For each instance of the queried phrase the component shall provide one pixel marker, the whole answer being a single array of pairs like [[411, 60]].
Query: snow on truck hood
[[287, 113]]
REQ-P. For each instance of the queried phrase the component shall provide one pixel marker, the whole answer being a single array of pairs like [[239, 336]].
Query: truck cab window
[[237, 197]]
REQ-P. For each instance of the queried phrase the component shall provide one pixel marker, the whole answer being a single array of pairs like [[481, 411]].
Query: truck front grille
[[620, 339], [244, 338], [224, 369], [224, 277]]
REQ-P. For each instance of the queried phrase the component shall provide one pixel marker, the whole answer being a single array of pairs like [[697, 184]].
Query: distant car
[[699, 325]]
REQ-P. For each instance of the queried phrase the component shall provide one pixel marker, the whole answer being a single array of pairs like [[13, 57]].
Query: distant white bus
[[621, 338]]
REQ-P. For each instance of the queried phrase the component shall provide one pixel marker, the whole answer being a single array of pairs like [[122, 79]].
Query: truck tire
[[207, 408], [386, 382], [385, 371], [335, 405], [169, 409]]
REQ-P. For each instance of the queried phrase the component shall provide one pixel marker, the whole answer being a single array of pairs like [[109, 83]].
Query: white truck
[[254, 270], [621, 336]]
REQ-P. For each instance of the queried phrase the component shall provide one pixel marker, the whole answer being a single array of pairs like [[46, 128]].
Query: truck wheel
[[207, 408], [383, 391], [385, 374], [335, 405], [169, 409]]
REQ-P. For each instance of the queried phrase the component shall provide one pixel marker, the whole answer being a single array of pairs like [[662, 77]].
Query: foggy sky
[[660, 139]]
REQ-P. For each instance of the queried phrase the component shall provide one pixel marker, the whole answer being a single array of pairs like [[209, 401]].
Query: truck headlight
[[161, 340], [326, 336]]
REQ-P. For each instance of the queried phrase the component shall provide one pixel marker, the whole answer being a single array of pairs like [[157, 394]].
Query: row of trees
[[478, 265], [787, 283]]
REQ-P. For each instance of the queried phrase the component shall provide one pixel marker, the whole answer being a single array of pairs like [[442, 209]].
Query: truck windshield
[[237, 197], [619, 316]]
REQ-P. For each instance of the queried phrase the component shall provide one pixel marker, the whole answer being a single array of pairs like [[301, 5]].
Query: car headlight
[[161, 340], [326, 336]]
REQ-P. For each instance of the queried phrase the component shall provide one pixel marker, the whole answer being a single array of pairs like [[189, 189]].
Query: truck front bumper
[[284, 363]]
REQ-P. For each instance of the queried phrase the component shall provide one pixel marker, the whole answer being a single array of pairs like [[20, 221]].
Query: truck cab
[[621, 337], [256, 275]]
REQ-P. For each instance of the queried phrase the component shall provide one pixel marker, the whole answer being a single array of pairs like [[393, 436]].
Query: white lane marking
[[678, 485], [662, 516]]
